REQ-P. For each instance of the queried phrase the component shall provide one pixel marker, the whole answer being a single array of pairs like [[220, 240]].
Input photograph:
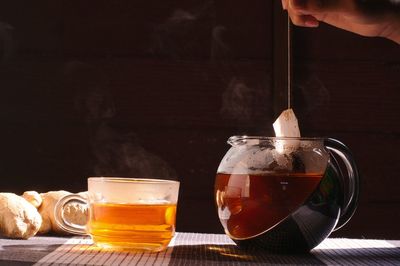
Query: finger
[[319, 6], [308, 5], [304, 20], [310, 21], [284, 4]]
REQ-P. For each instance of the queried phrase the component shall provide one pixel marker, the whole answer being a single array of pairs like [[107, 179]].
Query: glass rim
[[132, 180], [239, 138]]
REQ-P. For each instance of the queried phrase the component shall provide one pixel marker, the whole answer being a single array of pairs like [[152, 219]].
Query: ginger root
[[18, 218], [46, 210], [33, 198], [32, 213]]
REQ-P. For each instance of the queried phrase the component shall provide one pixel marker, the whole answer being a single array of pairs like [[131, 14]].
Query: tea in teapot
[[284, 200]]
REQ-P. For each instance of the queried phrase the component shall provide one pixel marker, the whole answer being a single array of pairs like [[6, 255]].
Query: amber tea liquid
[[141, 226], [249, 205]]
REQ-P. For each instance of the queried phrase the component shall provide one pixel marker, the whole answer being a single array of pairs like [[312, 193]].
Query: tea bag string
[[289, 63]]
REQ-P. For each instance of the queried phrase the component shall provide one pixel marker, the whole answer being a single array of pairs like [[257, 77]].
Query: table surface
[[194, 249]]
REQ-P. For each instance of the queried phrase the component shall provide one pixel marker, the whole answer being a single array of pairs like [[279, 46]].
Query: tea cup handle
[[351, 196], [59, 216]]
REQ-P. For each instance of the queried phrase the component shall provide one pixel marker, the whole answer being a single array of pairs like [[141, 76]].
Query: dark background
[[155, 88]]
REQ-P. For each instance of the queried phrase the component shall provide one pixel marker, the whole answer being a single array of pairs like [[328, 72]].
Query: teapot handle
[[352, 194]]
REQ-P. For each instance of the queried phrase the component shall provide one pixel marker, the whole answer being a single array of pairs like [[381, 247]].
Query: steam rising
[[237, 100], [115, 152], [311, 96], [243, 103], [121, 154], [170, 36], [6, 41]]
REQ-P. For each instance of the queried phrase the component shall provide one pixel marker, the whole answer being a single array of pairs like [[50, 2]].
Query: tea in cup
[[126, 213]]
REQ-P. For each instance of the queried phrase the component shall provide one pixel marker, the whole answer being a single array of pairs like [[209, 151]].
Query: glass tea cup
[[126, 213]]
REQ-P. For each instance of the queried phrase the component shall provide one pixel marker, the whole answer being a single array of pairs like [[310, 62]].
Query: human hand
[[371, 18]]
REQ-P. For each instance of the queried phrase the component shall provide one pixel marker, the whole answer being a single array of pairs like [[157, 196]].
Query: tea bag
[[287, 126]]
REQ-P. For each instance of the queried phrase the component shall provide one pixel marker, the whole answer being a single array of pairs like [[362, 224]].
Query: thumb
[[320, 6]]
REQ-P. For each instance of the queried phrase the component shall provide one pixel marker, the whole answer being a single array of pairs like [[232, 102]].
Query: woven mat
[[194, 249]]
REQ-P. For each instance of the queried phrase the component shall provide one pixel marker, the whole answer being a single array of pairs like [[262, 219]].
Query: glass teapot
[[285, 194]]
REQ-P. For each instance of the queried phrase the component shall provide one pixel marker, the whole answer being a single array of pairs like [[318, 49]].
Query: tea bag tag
[[286, 125]]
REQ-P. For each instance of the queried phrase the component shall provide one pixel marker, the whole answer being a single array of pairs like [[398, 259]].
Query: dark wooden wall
[[347, 87], [154, 88]]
